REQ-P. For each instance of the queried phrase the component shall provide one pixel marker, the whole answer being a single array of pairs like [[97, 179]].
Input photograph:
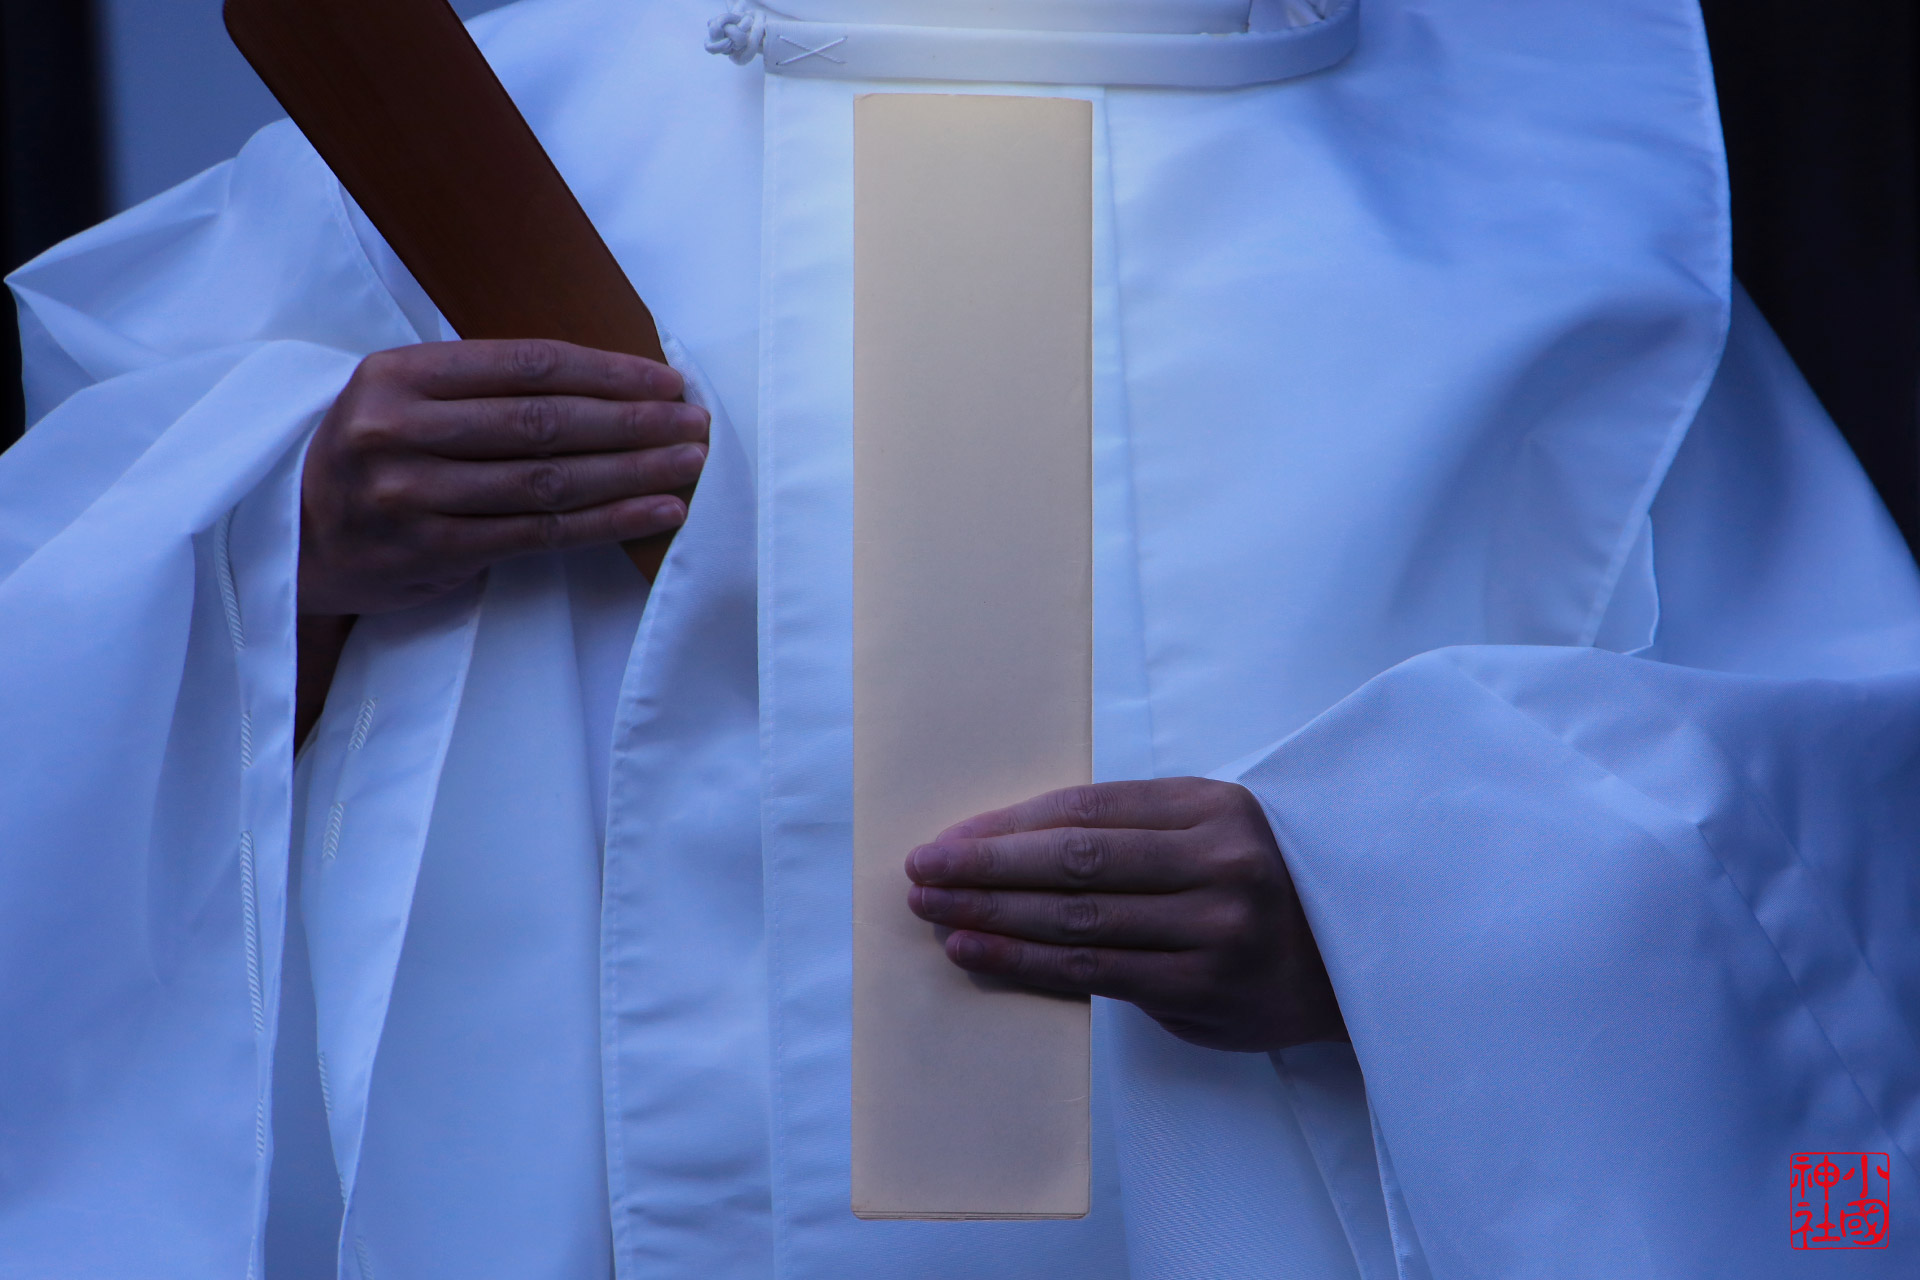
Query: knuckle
[[1238, 799], [598, 524], [534, 359], [1233, 921], [548, 486], [1198, 792], [383, 366], [1085, 806], [691, 422], [1243, 865], [988, 909], [644, 472], [639, 421], [665, 380], [1082, 856], [371, 432], [979, 860], [1081, 966], [388, 494], [1080, 918], [537, 423]]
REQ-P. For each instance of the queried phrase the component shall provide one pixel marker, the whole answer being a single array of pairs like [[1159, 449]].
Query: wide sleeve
[[177, 358], [1617, 938]]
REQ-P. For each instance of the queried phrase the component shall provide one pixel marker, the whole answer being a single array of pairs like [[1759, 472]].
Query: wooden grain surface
[[400, 103]]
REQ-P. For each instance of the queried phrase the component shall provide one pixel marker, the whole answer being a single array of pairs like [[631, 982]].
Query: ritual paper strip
[[972, 601]]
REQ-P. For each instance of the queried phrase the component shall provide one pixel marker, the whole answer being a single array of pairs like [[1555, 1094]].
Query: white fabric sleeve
[[177, 358], [1615, 938]]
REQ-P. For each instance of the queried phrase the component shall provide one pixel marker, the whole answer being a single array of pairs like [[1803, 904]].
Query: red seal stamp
[[1839, 1199]]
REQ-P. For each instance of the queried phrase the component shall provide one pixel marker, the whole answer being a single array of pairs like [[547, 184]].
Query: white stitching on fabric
[[362, 725], [249, 878], [229, 594], [326, 1089], [250, 914], [326, 1105], [336, 817], [809, 52]]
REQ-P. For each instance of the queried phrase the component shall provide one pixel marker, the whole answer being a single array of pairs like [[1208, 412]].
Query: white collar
[[1129, 17], [1167, 43]]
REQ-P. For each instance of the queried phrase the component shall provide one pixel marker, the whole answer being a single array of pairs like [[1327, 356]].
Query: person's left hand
[[1170, 894]]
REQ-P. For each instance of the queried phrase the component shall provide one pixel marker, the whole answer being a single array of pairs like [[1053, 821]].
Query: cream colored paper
[[972, 667]]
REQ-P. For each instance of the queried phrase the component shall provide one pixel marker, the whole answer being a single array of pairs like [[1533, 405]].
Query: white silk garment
[[1408, 356]]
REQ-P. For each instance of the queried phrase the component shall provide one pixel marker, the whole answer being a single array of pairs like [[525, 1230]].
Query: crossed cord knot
[[740, 33]]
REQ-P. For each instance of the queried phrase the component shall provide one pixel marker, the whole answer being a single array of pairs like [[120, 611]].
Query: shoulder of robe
[[611, 82], [549, 50], [255, 250]]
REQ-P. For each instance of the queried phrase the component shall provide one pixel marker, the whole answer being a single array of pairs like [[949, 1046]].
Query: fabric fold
[[683, 998], [375, 761], [153, 620], [1549, 936], [181, 356], [1679, 826]]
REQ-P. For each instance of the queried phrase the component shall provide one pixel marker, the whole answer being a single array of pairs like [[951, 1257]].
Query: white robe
[[1429, 365]]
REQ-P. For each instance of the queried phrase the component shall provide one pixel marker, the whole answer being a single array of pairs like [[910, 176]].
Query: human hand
[[439, 459], [1170, 894]]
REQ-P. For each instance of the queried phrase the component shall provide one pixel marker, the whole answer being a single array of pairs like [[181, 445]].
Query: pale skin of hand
[[1169, 894], [441, 459]]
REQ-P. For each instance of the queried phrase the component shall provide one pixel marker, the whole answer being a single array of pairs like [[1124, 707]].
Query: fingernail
[[689, 460], [928, 862], [930, 902], [966, 949], [670, 511]]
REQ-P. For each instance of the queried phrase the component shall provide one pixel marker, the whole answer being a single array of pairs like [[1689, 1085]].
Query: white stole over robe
[[1420, 383]]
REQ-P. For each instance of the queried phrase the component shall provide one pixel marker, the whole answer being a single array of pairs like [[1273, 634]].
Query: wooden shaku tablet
[[400, 103], [972, 625]]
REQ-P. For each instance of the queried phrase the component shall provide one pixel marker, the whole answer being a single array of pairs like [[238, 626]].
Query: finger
[[1144, 977], [481, 540], [1062, 858], [555, 484], [546, 426], [528, 366], [1165, 804], [1160, 922]]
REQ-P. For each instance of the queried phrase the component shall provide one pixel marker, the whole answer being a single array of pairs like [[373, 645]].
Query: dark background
[[1820, 109]]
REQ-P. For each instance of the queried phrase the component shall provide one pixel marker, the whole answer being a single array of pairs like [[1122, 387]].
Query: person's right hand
[[439, 459]]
